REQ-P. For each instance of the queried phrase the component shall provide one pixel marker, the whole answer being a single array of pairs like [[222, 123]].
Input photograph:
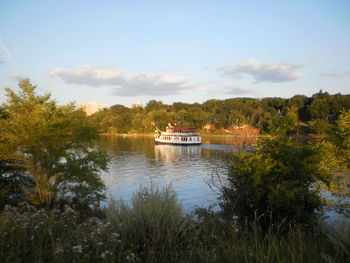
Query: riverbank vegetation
[[270, 207], [155, 229], [315, 114]]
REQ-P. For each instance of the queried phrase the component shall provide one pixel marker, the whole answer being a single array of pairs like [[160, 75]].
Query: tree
[[54, 145], [336, 152], [282, 124], [275, 184]]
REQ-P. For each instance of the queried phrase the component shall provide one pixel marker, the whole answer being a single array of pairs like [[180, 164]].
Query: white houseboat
[[178, 135]]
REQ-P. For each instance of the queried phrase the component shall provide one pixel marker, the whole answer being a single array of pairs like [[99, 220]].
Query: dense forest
[[268, 115]]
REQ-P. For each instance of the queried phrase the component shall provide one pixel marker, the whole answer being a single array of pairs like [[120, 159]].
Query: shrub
[[275, 184]]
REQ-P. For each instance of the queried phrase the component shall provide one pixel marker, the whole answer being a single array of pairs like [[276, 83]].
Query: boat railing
[[181, 133]]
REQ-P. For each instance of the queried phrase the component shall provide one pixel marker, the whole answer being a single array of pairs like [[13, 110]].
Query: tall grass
[[154, 228]]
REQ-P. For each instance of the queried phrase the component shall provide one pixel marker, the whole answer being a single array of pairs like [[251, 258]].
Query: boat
[[178, 136]]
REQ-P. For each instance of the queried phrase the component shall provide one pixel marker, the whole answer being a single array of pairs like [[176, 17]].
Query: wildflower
[[115, 235], [131, 256], [59, 251], [105, 254], [77, 249]]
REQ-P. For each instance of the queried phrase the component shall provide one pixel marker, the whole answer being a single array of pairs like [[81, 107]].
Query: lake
[[191, 170]]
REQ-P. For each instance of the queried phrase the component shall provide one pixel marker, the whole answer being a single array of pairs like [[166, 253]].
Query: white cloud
[[270, 72], [16, 76], [331, 58], [4, 53], [123, 83], [334, 74], [236, 90]]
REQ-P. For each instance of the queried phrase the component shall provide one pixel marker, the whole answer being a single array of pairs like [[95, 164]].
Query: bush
[[275, 184]]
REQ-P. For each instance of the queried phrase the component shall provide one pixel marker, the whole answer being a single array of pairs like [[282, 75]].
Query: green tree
[[54, 145], [275, 184], [336, 152], [282, 124], [137, 122]]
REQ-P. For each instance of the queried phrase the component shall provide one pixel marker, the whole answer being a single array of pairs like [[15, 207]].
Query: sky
[[124, 52]]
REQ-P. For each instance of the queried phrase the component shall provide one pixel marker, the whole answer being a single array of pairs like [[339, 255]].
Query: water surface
[[137, 162]]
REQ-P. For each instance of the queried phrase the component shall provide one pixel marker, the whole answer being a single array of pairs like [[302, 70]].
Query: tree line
[[314, 114]]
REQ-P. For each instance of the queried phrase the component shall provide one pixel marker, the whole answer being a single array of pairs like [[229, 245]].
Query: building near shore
[[137, 105], [92, 107]]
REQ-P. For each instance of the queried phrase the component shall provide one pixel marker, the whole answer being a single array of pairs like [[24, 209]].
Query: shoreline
[[203, 135]]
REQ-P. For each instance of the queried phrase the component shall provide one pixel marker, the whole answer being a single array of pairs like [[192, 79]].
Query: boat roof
[[181, 128]]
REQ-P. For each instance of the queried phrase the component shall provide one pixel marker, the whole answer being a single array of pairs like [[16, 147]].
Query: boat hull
[[178, 143]]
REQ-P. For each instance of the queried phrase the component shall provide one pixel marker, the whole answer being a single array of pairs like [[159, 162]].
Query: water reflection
[[230, 140], [173, 154]]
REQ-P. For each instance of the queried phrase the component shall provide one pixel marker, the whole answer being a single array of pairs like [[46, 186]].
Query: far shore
[[203, 135], [308, 136]]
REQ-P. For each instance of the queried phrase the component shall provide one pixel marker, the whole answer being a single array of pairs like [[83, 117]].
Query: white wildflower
[[77, 249], [59, 251], [115, 235], [131, 256], [105, 254]]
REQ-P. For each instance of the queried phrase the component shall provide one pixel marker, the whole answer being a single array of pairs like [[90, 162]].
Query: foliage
[[32, 234], [275, 184], [13, 183], [53, 144], [154, 224], [336, 151], [282, 124], [320, 126], [270, 115]]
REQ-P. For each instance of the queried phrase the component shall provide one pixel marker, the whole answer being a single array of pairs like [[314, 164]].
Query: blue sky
[[122, 52]]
